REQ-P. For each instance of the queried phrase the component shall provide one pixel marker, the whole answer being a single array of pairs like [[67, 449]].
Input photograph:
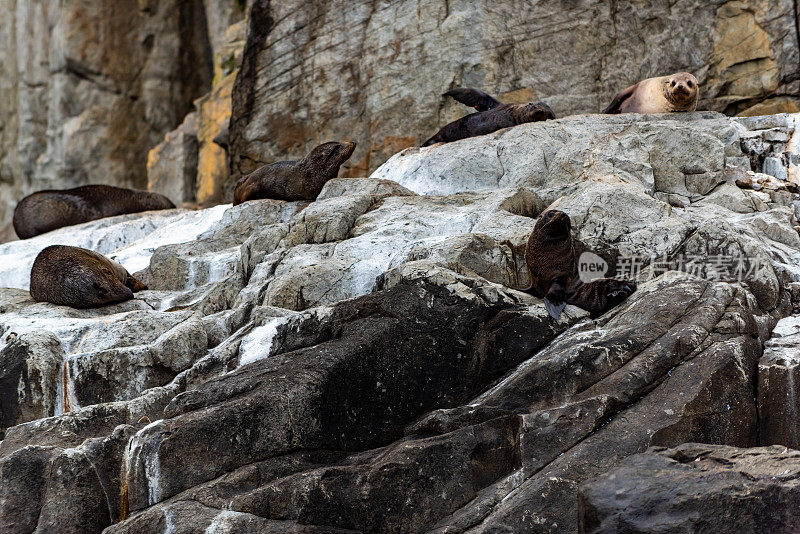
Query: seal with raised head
[[550, 256], [294, 180], [553, 267], [73, 276], [48, 210], [492, 115], [665, 94]]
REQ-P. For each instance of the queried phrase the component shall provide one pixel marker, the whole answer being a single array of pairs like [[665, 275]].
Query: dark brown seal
[[599, 296], [72, 276], [294, 180], [550, 256], [52, 209], [553, 267], [492, 115], [665, 94]]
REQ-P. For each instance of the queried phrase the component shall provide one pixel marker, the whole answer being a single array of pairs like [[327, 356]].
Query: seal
[[52, 209], [553, 267], [80, 278], [492, 115], [665, 94], [294, 180], [550, 256], [599, 296]]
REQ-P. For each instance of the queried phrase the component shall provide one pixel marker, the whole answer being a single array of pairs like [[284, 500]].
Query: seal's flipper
[[473, 98], [554, 309], [620, 97]]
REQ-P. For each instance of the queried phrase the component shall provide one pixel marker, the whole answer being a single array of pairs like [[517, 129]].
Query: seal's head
[[554, 225], [682, 90], [538, 111], [328, 157]]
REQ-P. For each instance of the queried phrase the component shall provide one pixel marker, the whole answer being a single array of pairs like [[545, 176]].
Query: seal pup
[[53, 208], [665, 94], [492, 115], [294, 180], [550, 256], [80, 278]]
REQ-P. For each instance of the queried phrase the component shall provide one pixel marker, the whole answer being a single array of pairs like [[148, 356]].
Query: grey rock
[[364, 363], [84, 107], [172, 164], [399, 59], [696, 488]]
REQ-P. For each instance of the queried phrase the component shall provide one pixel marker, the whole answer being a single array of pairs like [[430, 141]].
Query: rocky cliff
[[363, 363], [374, 72], [88, 87]]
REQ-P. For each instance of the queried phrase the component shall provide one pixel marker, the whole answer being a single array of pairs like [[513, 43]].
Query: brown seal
[[676, 92], [73, 276], [550, 256], [294, 180], [492, 115], [600, 295], [553, 267], [52, 209]]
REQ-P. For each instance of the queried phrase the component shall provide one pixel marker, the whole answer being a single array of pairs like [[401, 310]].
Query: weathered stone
[[94, 87], [30, 370], [212, 161], [363, 363], [380, 85], [172, 164], [348, 186], [696, 488], [778, 372]]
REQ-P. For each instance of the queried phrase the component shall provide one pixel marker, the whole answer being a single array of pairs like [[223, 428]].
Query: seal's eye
[[673, 83], [690, 84]]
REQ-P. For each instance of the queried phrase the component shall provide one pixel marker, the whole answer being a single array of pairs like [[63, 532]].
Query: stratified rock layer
[[374, 73]]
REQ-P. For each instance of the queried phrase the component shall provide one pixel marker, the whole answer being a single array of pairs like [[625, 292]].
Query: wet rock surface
[[363, 363]]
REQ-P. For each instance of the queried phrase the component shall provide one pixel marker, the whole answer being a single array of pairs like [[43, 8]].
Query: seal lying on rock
[[599, 296], [294, 180], [72, 276], [492, 116], [550, 257], [676, 92], [52, 209]]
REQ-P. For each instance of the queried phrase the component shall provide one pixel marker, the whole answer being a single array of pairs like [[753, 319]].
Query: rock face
[[696, 488], [363, 362], [172, 164], [306, 80], [88, 87]]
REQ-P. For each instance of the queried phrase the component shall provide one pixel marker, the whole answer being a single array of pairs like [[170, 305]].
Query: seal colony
[[80, 278], [53, 208]]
